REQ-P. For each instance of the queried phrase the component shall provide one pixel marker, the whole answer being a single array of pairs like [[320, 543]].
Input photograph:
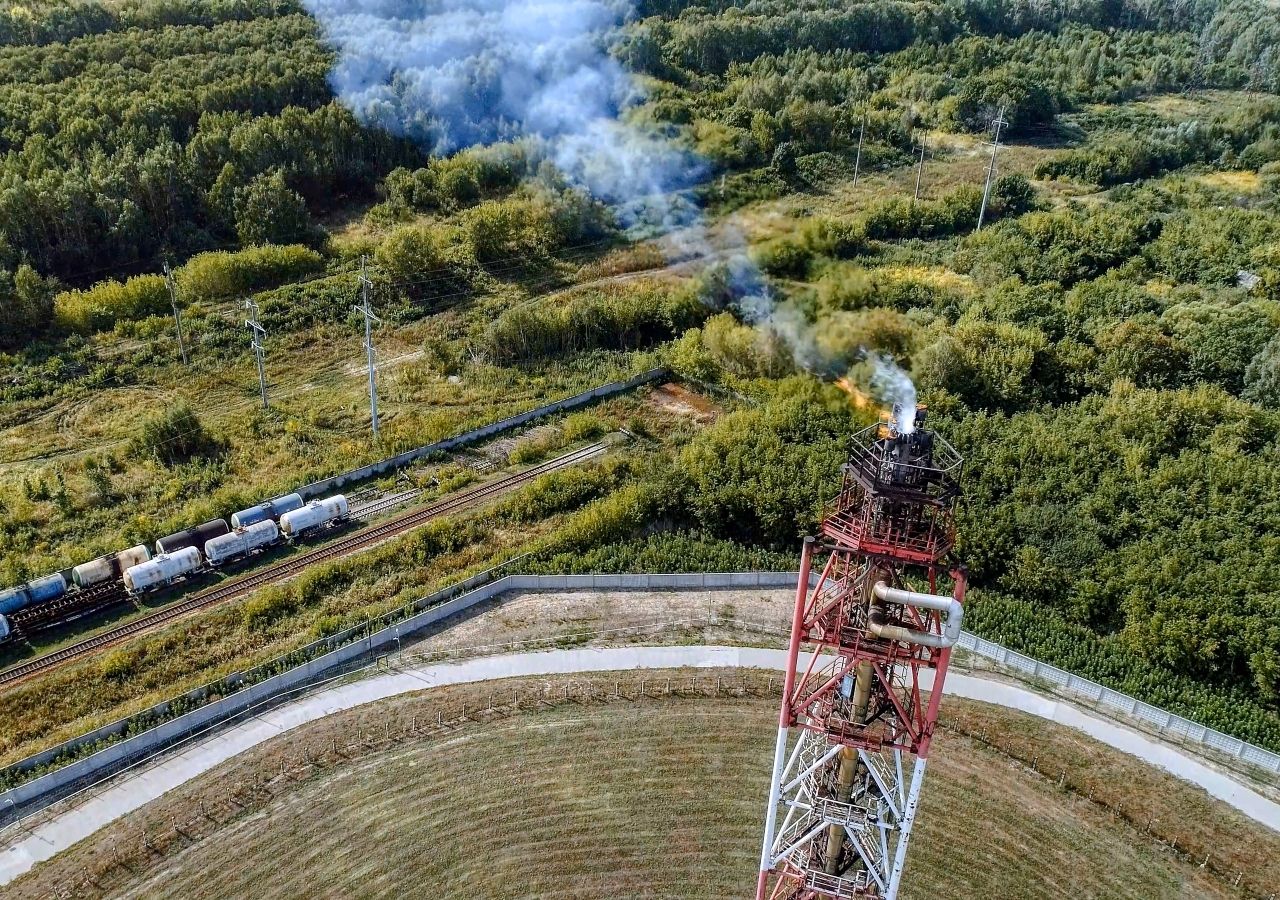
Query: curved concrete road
[[132, 791]]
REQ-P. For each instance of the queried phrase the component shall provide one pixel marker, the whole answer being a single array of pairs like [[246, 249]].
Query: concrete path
[[24, 848]]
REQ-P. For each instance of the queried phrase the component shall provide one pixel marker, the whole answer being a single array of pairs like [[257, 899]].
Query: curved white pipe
[[950, 606]]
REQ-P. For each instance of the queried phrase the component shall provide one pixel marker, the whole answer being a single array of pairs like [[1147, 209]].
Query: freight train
[[180, 556]]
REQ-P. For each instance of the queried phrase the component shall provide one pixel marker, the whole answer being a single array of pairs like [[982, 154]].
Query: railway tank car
[[314, 515], [109, 567], [272, 509], [42, 590], [240, 543], [162, 570], [192, 537]]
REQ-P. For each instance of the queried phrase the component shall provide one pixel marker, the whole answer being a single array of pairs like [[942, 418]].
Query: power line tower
[[991, 167], [857, 160], [177, 315], [256, 336], [369, 318], [843, 796], [919, 173]]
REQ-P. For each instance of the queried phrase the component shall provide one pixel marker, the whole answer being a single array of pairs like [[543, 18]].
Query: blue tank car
[[272, 509], [42, 590]]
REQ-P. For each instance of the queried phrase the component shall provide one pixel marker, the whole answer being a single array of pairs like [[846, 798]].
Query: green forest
[[1104, 351]]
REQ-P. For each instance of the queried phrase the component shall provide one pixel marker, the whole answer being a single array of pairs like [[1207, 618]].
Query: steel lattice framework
[[864, 697]]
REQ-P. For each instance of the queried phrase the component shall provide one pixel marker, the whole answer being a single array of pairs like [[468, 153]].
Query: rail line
[[287, 568]]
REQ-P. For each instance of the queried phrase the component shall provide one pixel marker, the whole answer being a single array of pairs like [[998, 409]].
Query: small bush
[[101, 306], [618, 318], [558, 492], [621, 515], [268, 606], [582, 426], [421, 259], [118, 665], [212, 276], [173, 437], [534, 448]]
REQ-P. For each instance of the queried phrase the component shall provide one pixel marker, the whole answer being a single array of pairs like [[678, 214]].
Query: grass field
[[657, 799]]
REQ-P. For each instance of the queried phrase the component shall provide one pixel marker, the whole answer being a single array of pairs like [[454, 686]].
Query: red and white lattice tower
[[844, 794]]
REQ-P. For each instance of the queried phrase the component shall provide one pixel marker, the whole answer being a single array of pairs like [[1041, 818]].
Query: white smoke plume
[[451, 74], [895, 387]]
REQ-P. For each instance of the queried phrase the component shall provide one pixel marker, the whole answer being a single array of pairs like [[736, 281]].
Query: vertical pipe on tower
[[940, 673], [784, 717], [844, 790]]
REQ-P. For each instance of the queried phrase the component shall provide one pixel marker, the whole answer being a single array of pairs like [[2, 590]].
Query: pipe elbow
[[951, 609]]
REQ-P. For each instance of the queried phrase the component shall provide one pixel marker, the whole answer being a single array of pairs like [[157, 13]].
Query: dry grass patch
[[1238, 181], [934, 276]]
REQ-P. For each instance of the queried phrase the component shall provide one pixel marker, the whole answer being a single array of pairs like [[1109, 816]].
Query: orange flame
[[859, 399]]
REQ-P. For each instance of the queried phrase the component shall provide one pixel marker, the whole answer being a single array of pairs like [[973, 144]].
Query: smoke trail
[[451, 74]]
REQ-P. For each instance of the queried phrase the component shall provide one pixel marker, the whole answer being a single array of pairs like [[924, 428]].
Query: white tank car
[[241, 542], [106, 568], [313, 515], [162, 570]]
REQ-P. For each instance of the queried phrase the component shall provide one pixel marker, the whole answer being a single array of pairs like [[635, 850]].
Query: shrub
[[212, 276], [268, 211], [420, 258], [260, 611], [26, 304], [558, 492], [535, 447], [618, 318], [174, 436], [621, 515], [745, 351], [582, 426], [526, 228], [784, 257], [101, 306], [898, 218]]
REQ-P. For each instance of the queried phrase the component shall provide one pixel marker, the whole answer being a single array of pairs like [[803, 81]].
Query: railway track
[[370, 508], [287, 568]]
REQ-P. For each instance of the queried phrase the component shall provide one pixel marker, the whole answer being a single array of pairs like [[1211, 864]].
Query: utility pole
[[857, 160], [991, 167], [369, 319], [256, 335], [919, 174], [177, 316]]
